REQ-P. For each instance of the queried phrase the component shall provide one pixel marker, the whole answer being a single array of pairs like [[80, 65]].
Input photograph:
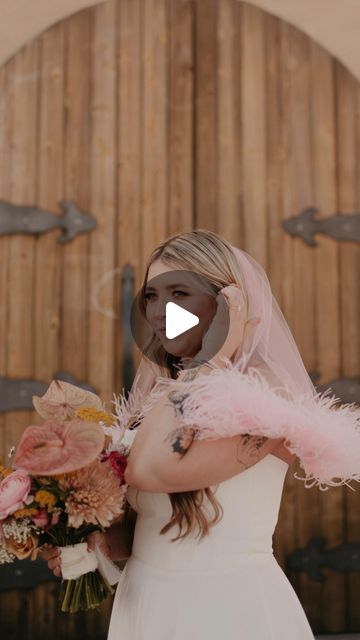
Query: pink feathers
[[326, 440], [227, 402]]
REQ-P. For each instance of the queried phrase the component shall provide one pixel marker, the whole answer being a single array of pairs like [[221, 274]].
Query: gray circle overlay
[[188, 290]]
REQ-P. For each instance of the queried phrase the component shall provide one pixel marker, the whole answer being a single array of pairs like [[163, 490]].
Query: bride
[[201, 513]]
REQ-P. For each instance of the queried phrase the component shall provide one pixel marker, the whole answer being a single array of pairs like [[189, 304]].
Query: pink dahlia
[[95, 495]]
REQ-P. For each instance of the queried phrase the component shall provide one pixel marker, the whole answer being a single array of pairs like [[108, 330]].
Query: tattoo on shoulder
[[195, 370], [180, 439], [190, 375], [177, 399]]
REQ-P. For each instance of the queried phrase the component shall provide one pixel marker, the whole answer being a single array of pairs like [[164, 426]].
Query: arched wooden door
[[154, 117]]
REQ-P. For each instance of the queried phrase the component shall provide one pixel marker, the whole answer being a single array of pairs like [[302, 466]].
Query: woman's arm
[[165, 458]]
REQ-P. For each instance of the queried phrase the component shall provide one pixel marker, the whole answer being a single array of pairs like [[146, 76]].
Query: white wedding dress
[[228, 586]]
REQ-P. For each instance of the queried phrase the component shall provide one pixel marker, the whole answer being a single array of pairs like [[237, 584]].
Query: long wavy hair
[[210, 255]]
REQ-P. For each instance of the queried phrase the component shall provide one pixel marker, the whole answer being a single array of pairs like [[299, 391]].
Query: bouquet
[[67, 481]]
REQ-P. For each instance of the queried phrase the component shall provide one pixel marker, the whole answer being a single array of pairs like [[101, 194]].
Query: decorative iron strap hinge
[[344, 557], [17, 394], [339, 227], [30, 219]]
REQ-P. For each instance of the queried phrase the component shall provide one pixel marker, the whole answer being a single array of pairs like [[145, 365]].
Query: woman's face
[[181, 290]]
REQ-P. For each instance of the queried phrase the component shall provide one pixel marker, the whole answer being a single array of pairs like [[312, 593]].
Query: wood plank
[[75, 267], [181, 116], [23, 163], [348, 136], [6, 111], [352, 505], [8, 605], [299, 272], [74, 338], [48, 258], [129, 161], [206, 158], [327, 305], [102, 241], [253, 132], [47, 273], [102, 204], [154, 194], [230, 221], [277, 105], [21, 312]]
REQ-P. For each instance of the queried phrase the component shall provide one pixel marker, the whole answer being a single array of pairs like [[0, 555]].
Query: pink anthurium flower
[[54, 447], [62, 399]]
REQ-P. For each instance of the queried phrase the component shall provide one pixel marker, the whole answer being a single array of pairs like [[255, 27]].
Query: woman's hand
[[100, 539], [53, 554], [239, 328]]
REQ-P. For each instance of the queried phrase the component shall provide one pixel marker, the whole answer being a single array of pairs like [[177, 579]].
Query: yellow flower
[[28, 511], [45, 498], [94, 415], [4, 471]]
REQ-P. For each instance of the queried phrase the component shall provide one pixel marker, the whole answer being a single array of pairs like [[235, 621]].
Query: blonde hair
[[208, 254]]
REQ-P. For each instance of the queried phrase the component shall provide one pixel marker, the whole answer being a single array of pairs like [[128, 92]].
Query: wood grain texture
[[157, 117], [181, 210], [326, 303], [347, 124], [129, 158], [206, 160]]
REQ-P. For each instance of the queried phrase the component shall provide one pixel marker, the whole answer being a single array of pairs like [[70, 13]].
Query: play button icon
[[178, 320], [173, 312]]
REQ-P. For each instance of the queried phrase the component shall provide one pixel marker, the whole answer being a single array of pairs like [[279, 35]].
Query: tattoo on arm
[[248, 449], [180, 439]]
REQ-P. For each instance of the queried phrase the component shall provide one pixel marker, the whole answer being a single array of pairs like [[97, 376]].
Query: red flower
[[118, 463]]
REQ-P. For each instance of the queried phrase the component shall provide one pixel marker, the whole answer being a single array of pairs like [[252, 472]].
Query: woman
[[218, 577]]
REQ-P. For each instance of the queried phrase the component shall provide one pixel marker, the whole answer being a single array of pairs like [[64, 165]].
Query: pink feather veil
[[264, 390]]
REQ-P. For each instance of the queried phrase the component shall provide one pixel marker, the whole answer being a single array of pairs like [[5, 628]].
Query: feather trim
[[227, 402], [324, 435]]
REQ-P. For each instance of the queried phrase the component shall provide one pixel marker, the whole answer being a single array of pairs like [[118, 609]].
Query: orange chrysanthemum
[[95, 495]]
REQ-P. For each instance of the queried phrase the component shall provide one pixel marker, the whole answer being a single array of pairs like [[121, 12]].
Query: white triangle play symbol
[[178, 320]]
